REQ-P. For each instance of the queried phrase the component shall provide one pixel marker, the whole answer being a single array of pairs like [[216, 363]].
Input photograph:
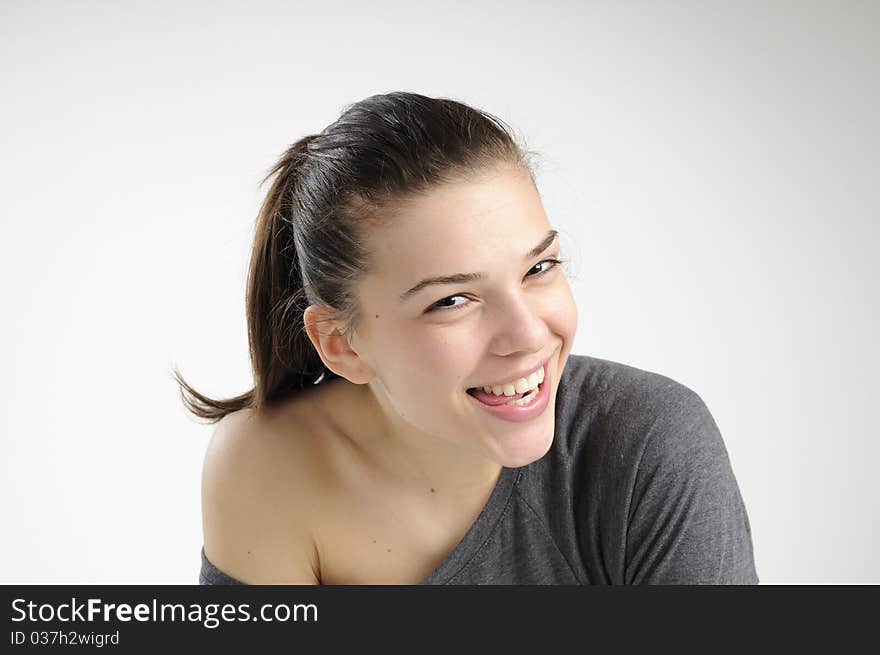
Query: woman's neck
[[421, 462]]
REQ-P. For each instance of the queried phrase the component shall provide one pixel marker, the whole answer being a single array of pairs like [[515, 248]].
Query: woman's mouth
[[509, 404], [512, 390], [522, 406], [503, 399]]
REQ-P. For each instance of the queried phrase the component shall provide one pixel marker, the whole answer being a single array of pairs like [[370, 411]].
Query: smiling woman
[[417, 415]]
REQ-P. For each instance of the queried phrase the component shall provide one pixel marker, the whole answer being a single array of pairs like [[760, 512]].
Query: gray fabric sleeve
[[687, 520], [211, 575]]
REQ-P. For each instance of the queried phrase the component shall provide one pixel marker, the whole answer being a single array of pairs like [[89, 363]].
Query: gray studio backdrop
[[713, 167]]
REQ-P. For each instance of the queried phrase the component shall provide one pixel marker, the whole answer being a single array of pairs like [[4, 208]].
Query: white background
[[713, 167]]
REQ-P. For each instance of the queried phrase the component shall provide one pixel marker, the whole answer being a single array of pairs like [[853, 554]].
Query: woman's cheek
[[565, 312]]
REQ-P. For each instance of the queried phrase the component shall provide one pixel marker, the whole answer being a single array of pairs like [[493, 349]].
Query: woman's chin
[[514, 455]]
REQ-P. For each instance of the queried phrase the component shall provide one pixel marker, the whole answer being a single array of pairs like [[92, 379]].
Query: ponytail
[[282, 356]]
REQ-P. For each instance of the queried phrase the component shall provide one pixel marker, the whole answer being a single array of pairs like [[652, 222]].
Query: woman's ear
[[333, 347]]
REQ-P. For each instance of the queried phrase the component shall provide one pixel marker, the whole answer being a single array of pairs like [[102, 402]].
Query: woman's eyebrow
[[461, 278]]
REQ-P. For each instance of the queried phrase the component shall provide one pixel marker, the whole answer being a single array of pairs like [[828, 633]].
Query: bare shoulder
[[260, 481]]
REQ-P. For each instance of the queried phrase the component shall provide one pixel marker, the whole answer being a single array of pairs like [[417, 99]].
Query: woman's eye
[[554, 262], [439, 305]]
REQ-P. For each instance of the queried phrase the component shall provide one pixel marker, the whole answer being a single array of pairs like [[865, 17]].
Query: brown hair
[[329, 190]]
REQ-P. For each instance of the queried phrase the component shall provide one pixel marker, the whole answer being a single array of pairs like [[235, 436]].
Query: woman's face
[[428, 343]]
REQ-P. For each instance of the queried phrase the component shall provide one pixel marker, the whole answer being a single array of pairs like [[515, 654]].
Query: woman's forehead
[[466, 220]]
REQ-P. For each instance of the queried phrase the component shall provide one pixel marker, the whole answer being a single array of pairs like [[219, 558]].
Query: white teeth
[[519, 386], [527, 400], [522, 385]]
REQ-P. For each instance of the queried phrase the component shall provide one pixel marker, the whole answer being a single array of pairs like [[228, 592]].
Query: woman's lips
[[521, 413]]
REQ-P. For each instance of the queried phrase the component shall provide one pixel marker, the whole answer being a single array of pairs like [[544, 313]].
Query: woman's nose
[[518, 326]]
